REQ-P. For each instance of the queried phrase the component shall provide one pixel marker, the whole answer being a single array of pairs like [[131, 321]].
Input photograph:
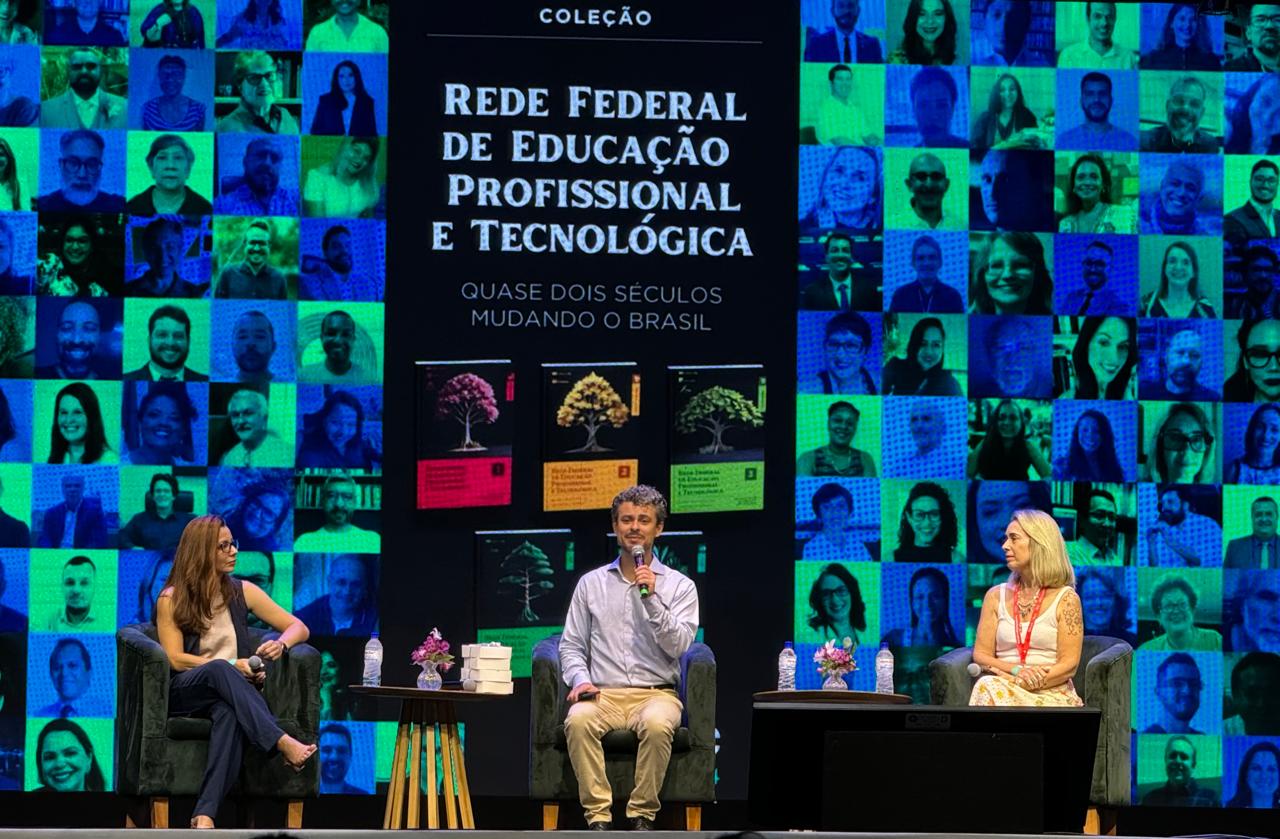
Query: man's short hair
[[1098, 243], [934, 75], [258, 224], [79, 560], [244, 61], [832, 236], [1264, 164], [65, 141], [163, 477], [1255, 660], [830, 492], [831, 74], [1177, 489], [332, 480], [335, 728], [1191, 747], [151, 233], [1255, 252], [257, 313], [641, 495], [63, 643], [1204, 91], [849, 322], [1097, 493], [173, 313], [92, 50], [1095, 76], [1267, 498], [1177, 658], [258, 399], [171, 60], [336, 230], [925, 241]]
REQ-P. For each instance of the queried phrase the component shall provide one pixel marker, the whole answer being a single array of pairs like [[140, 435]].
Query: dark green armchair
[[159, 756], [1107, 665], [691, 773]]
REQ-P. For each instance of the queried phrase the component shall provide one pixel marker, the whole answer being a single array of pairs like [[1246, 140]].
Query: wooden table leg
[[415, 767], [395, 791], [433, 794], [464, 790], [446, 754]]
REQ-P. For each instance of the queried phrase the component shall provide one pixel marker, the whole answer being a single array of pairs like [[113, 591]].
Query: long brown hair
[[195, 580]]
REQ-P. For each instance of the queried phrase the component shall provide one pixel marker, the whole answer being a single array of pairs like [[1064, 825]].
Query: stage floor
[[97, 833]]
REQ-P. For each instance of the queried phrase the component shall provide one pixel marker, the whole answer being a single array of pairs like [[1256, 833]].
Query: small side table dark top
[[449, 693], [845, 697]]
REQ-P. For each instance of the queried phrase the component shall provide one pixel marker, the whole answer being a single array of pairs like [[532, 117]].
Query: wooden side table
[[421, 711]]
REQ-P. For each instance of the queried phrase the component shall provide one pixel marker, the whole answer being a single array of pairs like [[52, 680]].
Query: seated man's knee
[[657, 725], [581, 719]]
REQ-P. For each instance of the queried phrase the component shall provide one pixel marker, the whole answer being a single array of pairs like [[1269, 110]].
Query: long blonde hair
[[197, 585], [1049, 566]]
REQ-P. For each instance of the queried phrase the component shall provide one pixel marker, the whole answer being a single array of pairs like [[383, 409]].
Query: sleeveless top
[[1044, 635], [236, 614]]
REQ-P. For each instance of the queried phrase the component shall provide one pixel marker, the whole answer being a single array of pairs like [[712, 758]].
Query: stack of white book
[[486, 668]]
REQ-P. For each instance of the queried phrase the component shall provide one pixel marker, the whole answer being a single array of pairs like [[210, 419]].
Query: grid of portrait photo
[[1039, 267], [192, 267]]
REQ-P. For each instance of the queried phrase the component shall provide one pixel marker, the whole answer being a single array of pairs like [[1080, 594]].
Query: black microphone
[[637, 555], [257, 666]]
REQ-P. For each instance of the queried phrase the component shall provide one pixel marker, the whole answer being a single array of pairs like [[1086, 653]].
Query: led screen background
[[108, 286], [1107, 304]]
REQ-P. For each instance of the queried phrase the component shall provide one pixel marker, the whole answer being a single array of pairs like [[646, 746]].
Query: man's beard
[[1173, 517], [85, 86]]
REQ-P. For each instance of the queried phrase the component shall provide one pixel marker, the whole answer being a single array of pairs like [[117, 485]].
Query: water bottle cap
[[787, 645], [373, 635], [884, 645]]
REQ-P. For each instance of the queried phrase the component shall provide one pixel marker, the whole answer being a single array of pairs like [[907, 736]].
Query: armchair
[[691, 773], [159, 756], [1103, 681]]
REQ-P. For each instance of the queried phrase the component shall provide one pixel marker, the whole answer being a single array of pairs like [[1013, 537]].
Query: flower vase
[[834, 681], [429, 678]]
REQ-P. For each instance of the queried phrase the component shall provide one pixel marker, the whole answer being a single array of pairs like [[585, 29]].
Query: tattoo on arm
[[1072, 619]]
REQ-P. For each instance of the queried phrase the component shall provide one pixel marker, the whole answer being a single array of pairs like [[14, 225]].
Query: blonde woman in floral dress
[[1031, 629]]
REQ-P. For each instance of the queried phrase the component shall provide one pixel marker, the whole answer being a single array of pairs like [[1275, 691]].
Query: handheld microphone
[[256, 665], [637, 555], [974, 670]]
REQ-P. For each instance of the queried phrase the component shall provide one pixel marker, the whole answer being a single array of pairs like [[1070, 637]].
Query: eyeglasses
[[844, 346], [925, 515], [833, 593], [1258, 357], [1265, 20], [1177, 441], [227, 545], [256, 79], [92, 165], [1174, 606]]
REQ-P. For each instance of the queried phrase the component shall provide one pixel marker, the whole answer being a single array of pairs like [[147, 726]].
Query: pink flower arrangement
[[835, 658], [434, 650]]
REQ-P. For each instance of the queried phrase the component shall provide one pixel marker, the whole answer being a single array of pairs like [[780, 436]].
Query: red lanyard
[[1024, 643]]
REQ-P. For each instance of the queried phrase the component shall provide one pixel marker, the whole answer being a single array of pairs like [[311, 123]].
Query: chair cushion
[[188, 728], [626, 742]]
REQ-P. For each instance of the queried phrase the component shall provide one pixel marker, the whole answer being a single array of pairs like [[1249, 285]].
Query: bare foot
[[202, 823], [295, 752]]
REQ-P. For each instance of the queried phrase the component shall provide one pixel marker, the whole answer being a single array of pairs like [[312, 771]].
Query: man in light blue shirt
[[71, 672], [627, 627], [1097, 132]]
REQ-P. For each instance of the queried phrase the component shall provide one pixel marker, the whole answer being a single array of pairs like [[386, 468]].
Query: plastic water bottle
[[884, 670], [372, 662], [787, 668]]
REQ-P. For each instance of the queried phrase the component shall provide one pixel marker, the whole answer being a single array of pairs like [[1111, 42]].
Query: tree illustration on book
[[525, 571], [592, 403], [717, 410], [468, 400]]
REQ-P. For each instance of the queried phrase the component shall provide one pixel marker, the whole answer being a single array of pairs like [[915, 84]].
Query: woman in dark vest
[[201, 619]]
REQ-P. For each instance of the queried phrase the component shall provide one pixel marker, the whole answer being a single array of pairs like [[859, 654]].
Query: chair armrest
[[142, 682], [292, 689], [547, 693], [949, 679], [698, 693]]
